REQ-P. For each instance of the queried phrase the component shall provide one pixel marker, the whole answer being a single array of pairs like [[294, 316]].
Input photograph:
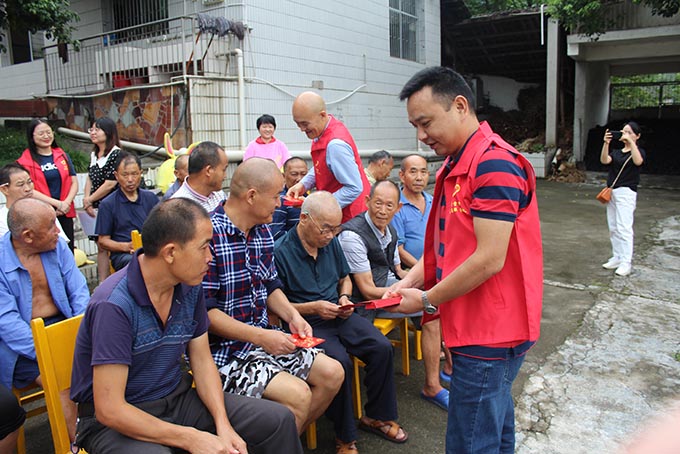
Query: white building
[[144, 64]]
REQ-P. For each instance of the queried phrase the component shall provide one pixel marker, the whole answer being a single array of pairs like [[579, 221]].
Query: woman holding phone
[[624, 163]]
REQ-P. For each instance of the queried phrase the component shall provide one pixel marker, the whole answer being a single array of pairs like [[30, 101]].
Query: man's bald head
[[311, 101], [255, 173], [309, 114], [321, 204]]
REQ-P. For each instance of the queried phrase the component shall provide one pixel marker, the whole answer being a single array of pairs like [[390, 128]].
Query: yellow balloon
[[166, 174]]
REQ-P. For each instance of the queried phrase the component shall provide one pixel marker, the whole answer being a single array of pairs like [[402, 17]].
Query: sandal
[[376, 426], [345, 448]]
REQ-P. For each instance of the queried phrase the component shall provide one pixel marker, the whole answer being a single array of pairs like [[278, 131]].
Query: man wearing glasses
[[315, 276], [123, 211]]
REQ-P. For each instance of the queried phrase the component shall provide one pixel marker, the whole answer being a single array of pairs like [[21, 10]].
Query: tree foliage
[[481, 7], [588, 17], [53, 17]]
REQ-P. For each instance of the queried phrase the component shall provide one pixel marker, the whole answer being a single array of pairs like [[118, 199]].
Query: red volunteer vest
[[38, 177], [506, 307], [325, 180]]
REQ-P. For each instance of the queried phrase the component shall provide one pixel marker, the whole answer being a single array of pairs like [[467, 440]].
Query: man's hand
[[207, 443], [234, 442], [326, 310], [296, 191], [276, 342], [346, 307], [411, 301], [394, 289], [299, 325]]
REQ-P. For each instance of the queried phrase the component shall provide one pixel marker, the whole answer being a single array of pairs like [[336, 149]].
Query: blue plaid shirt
[[240, 277]]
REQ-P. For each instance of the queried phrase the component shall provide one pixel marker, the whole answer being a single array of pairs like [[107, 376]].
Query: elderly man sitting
[[316, 279], [38, 278]]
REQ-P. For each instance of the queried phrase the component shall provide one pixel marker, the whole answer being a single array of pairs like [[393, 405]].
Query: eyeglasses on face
[[93, 130], [47, 133], [326, 229]]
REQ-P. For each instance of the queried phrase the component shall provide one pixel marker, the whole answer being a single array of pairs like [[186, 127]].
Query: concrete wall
[[22, 81], [337, 47], [591, 101], [503, 91]]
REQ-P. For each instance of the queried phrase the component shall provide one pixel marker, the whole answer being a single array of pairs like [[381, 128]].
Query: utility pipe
[[159, 152], [241, 98]]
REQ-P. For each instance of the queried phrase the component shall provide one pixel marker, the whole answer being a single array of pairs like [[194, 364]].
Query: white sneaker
[[624, 269], [611, 264]]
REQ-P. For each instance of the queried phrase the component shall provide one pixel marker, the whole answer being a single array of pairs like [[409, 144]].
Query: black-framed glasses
[[325, 230]]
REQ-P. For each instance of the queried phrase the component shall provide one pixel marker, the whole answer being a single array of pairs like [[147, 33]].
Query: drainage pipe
[[241, 98], [159, 152]]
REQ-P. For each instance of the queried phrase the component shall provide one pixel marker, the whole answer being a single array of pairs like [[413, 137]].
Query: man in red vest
[[337, 166], [482, 264]]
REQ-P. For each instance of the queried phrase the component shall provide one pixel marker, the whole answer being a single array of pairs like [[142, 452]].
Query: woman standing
[[52, 172], [626, 164], [100, 178], [266, 146]]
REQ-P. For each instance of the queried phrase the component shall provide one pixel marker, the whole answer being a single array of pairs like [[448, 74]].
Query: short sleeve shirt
[[52, 175], [240, 277], [102, 169], [121, 326], [118, 216], [305, 278]]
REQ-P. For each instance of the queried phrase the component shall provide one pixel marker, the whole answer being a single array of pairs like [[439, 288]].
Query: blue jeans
[[481, 411]]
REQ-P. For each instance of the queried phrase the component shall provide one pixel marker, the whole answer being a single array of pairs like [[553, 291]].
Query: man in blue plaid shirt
[[255, 358]]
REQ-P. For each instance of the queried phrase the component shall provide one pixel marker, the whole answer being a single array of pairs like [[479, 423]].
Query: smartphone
[[616, 135]]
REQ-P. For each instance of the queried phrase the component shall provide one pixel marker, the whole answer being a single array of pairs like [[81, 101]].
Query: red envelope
[[292, 201], [385, 302], [306, 342]]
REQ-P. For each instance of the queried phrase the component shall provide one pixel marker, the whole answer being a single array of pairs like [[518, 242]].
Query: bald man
[[242, 287], [38, 279], [337, 166], [181, 173]]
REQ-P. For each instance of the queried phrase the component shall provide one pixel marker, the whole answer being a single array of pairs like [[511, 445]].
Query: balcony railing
[[626, 15], [152, 53]]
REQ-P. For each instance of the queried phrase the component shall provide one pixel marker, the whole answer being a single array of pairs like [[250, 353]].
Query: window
[[24, 46], [403, 29], [131, 13]]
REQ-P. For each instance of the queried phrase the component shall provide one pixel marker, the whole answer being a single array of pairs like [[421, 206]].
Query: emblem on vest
[[456, 206]]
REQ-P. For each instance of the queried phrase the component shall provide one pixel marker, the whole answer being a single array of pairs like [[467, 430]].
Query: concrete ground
[[609, 354]]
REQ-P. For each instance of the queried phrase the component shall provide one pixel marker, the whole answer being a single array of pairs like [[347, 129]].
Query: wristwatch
[[427, 307]]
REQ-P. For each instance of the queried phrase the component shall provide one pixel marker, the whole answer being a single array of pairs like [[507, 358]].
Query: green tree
[[588, 17], [481, 7], [50, 16]]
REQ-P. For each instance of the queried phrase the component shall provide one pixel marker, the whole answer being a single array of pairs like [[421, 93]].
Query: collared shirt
[[171, 190], [410, 224], [240, 277], [67, 286], [285, 218], [4, 211], [209, 203], [487, 179], [340, 160], [274, 150], [118, 215], [308, 279], [357, 254], [121, 326]]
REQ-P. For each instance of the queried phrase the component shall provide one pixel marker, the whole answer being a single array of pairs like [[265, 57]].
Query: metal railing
[[633, 95], [151, 53]]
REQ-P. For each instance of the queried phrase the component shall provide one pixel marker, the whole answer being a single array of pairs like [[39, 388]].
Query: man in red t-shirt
[[482, 264]]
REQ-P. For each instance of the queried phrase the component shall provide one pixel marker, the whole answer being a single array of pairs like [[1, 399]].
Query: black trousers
[[267, 427]]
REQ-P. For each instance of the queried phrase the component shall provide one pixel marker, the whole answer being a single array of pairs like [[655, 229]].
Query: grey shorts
[[250, 376]]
